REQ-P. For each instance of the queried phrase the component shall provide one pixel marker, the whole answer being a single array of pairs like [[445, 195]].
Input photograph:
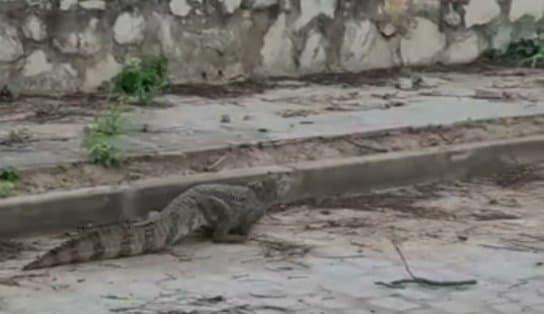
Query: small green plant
[[8, 178], [101, 139], [6, 188], [525, 52], [141, 80], [9, 174], [110, 124], [19, 136], [103, 151]]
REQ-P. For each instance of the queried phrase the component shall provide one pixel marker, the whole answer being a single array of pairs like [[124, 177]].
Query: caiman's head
[[271, 189]]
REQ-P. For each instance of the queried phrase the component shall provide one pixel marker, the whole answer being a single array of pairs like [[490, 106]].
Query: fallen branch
[[397, 284], [366, 146]]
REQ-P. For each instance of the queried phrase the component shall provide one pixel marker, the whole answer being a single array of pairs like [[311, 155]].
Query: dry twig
[[396, 284]]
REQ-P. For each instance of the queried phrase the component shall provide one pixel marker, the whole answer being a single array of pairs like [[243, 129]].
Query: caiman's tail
[[111, 242]]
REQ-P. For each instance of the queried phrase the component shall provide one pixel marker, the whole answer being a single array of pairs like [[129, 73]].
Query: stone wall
[[74, 45]]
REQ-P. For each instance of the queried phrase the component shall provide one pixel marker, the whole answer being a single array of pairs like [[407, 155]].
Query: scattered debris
[[225, 118], [462, 238], [394, 104], [277, 247], [290, 113], [13, 281], [368, 147], [216, 165], [398, 284], [487, 215], [209, 300], [343, 257], [415, 82], [504, 247], [405, 84], [490, 94]]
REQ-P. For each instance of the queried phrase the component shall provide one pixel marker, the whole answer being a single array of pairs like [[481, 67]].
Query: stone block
[[465, 47], [84, 42], [36, 63], [180, 7], [277, 50], [129, 28], [521, 8], [34, 28], [309, 9], [11, 47], [422, 43], [103, 70], [481, 12], [314, 56], [363, 47]]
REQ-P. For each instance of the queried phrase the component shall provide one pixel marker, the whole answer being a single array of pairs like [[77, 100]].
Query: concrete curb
[[57, 211]]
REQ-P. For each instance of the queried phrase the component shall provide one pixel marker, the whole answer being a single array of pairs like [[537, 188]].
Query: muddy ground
[[324, 256]]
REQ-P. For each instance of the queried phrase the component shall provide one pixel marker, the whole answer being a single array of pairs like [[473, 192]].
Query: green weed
[[141, 81], [525, 52], [110, 124], [8, 178], [6, 188], [101, 141], [9, 174], [19, 136], [102, 150]]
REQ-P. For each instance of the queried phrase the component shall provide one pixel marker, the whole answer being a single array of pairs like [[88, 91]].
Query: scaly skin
[[229, 211]]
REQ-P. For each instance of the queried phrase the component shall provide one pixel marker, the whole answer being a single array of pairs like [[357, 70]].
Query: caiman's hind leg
[[222, 235], [225, 223]]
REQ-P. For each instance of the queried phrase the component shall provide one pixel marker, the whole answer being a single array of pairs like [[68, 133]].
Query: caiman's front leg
[[225, 223]]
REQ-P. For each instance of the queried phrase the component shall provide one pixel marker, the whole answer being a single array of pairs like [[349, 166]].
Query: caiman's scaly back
[[225, 209]]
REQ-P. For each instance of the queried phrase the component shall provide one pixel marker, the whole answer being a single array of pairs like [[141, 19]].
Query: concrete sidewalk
[[290, 110]]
